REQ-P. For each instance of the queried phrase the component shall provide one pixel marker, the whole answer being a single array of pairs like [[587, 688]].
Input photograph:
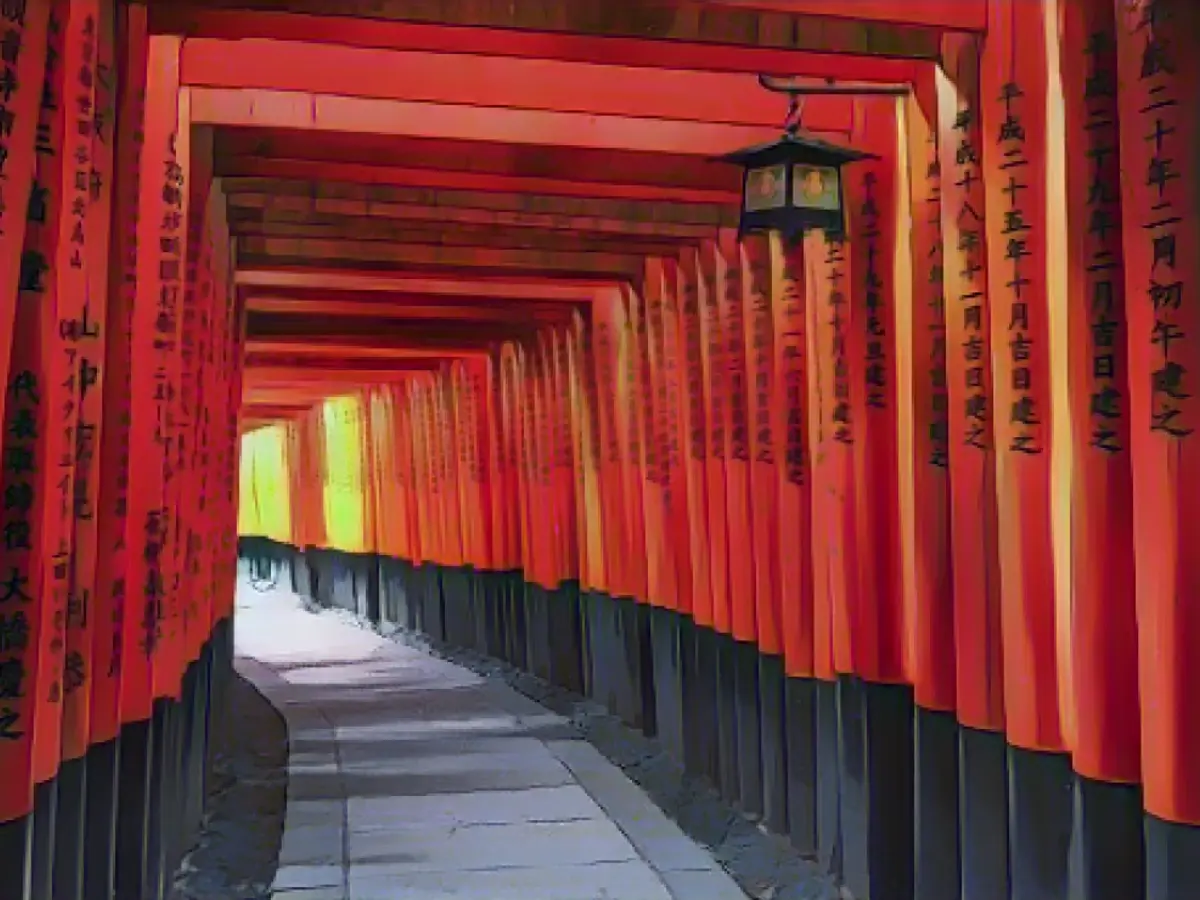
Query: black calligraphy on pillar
[[939, 397], [604, 346], [843, 416], [17, 584], [735, 360], [1104, 276], [44, 144], [792, 353], [166, 323], [716, 365], [970, 248], [1161, 123], [153, 591], [697, 428], [1016, 236], [80, 336], [12, 37], [761, 333], [669, 457], [650, 438], [876, 362]]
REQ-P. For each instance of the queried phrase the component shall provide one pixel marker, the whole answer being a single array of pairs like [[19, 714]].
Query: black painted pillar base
[[800, 720], [607, 670], [45, 815], [1040, 821], [983, 814], [773, 742], [537, 631], [156, 839], [635, 651], [518, 627], [699, 698], [936, 874], [829, 778], [565, 636], [642, 646], [373, 564], [729, 780], [487, 620], [1172, 860], [1108, 853], [749, 728], [668, 683], [69, 826], [16, 856], [877, 788], [460, 616], [100, 840], [435, 602]]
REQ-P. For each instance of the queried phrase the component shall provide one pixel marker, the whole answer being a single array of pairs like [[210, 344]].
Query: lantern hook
[[796, 95]]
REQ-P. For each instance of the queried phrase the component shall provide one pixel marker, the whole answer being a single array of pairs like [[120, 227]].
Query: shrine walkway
[[411, 777]]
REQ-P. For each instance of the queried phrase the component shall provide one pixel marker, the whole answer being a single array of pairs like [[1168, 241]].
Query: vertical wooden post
[[926, 524], [1158, 72], [973, 518]]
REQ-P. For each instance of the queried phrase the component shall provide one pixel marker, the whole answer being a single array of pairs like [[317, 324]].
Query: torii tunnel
[[443, 308]]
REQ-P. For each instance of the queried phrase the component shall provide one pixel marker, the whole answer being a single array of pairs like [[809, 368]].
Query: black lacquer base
[[983, 814], [700, 699], [16, 856], [749, 728], [1108, 845], [800, 744], [69, 825], [936, 873], [773, 742], [45, 816], [668, 683], [729, 780]]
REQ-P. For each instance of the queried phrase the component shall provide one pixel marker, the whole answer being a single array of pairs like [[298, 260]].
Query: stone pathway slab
[[411, 778]]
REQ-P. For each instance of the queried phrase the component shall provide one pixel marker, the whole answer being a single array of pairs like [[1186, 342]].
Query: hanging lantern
[[794, 184]]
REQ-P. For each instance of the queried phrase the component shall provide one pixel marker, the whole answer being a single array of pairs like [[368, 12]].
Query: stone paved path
[[411, 778]]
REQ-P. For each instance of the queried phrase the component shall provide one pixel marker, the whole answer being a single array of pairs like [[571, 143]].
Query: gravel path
[[237, 852]]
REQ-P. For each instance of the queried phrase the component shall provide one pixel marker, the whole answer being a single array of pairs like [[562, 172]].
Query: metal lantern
[[794, 184]]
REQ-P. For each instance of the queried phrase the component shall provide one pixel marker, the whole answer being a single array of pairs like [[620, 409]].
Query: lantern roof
[[795, 147]]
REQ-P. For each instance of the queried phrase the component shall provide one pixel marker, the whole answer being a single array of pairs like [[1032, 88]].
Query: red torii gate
[[963, 515]]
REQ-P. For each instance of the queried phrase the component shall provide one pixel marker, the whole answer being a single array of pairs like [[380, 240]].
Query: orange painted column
[[1159, 73], [1104, 628], [26, 610], [828, 282], [931, 638], [24, 34], [759, 338], [661, 586], [631, 424], [95, 102], [170, 212], [110, 584], [793, 537], [693, 433], [677, 510], [716, 425], [877, 630], [153, 344], [58, 199], [973, 516], [1014, 88], [815, 254], [729, 281]]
